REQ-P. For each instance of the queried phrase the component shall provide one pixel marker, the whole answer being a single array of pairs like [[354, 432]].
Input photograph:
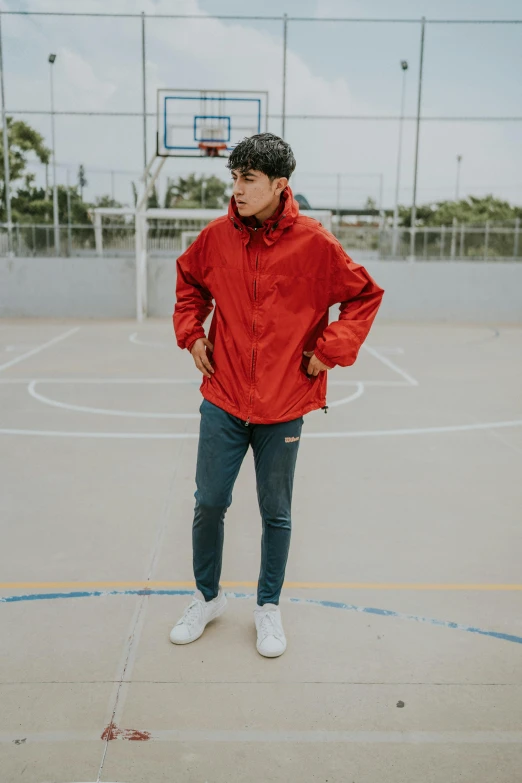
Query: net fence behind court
[[489, 241]]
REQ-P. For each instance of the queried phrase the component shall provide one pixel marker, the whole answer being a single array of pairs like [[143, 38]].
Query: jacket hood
[[284, 217]]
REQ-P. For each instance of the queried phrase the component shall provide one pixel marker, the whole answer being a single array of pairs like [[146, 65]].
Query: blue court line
[[328, 604]]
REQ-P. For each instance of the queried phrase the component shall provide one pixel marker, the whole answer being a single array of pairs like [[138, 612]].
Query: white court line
[[39, 348], [411, 380], [105, 411], [345, 400], [133, 636], [144, 415], [134, 339]]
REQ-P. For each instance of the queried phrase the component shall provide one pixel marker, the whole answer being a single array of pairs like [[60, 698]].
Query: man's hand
[[201, 359], [314, 366]]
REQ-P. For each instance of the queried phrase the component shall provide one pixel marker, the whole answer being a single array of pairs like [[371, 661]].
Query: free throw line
[[21, 358]]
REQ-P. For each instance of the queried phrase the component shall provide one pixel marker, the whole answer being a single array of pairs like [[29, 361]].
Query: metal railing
[[462, 242]]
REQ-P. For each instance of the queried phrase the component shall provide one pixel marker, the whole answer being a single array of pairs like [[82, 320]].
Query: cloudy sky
[[333, 68]]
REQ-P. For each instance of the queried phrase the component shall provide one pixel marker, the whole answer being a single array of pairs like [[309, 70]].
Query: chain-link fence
[[459, 241]]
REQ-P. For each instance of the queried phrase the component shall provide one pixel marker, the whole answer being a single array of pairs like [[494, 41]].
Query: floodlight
[[52, 58], [404, 65]]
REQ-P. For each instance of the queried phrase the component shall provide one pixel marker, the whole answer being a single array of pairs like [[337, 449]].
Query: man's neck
[[268, 212]]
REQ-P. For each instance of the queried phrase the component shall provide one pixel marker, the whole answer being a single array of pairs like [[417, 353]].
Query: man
[[273, 275]]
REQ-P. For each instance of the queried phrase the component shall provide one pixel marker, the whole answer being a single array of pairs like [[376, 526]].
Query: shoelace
[[191, 614], [268, 626]]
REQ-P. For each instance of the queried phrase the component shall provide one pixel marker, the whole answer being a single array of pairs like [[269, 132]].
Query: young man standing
[[272, 274]]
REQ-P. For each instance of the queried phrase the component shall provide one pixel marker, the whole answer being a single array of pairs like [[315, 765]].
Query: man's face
[[256, 194]]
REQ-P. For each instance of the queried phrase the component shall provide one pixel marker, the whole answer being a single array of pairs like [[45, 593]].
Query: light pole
[[7, 186], [457, 185], [404, 66], [52, 58]]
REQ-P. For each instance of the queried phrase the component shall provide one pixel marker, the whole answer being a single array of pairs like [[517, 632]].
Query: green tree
[[23, 143], [189, 192], [469, 210], [82, 179], [33, 205]]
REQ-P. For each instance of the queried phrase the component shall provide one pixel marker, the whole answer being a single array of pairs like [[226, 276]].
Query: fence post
[[18, 240], [486, 240], [98, 233], [442, 237], [515, 240], [141, 264], [69, 234], [453, 250], [462, 229], [34, 239], [425, 243], [285, 46]]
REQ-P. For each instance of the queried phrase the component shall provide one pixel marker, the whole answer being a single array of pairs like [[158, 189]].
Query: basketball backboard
[[198, 123]]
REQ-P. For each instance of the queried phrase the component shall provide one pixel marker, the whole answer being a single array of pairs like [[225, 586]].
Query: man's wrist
[[324, 359], [192, 340]]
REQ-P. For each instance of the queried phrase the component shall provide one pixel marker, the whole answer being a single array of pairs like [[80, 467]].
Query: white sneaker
[[196, 616], [271, 640]]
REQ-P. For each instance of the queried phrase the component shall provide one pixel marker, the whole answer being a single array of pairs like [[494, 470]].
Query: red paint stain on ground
[[112, 732]]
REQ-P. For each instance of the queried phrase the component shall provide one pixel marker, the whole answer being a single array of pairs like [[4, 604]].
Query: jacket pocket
[[303, 367]]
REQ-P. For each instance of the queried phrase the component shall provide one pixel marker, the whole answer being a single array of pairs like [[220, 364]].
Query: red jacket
[[272, 288]]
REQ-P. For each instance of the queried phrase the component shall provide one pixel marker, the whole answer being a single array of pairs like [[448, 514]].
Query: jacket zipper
[[253, 362]]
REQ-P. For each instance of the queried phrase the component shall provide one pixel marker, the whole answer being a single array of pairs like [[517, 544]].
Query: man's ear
[[281, 184]]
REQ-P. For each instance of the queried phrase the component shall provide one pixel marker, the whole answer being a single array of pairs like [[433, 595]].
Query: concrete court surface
[[402, 605]]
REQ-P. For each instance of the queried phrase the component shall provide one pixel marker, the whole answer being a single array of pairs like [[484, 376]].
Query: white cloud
[[90, 90], [99, 68]]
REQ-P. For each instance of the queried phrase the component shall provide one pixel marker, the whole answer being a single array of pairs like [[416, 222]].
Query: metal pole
[[285, 39], [381, 217], [462, 229], [55, 189], [457, 185], [7, 178], [453, 251], [517, 232], [69, 232], [381, 210], [486, 240], [112, 185], [419, 99], [338, 209], [404, 66], [144, 85]]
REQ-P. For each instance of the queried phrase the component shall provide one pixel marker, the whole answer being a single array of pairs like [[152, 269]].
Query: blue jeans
[[223, 443]]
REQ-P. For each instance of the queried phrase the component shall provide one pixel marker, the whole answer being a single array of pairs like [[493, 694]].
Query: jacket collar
[[284, 217]]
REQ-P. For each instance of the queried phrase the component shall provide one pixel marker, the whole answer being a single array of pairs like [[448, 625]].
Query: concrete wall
[[460, 292], [68, 287]]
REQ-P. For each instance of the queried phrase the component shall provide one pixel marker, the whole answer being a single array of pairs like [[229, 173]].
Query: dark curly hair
[[263, 152]]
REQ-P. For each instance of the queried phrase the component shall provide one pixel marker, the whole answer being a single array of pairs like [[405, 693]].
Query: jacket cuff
[[324, 359], [193, 337]]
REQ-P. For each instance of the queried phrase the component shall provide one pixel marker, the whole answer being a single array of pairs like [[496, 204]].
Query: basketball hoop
[[207, 123], [212, 149]]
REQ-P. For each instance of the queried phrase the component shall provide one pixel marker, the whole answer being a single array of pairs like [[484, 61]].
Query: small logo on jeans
[[291, 440]]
